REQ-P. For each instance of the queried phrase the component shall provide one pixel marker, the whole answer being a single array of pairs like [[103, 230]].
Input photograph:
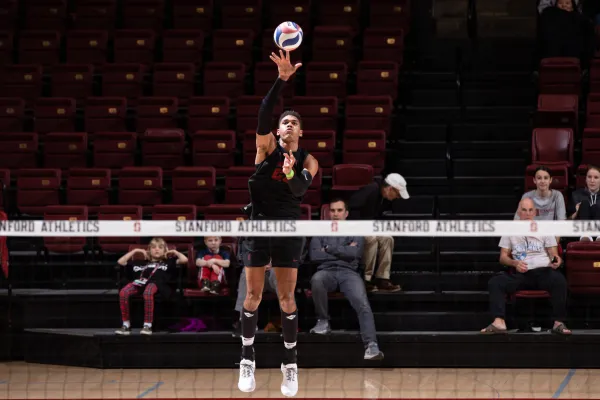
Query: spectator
[[212, 260], [152, 278], [575, 5], [549, 203], [583, 204], [369, 203], [535, 260], [270, 286], [340, 259], [564, 32]]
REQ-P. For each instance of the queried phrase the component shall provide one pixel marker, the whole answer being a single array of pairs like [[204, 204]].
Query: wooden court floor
[[33, 381]]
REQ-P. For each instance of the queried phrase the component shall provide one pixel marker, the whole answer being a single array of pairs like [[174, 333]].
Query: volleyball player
[[283, 174]]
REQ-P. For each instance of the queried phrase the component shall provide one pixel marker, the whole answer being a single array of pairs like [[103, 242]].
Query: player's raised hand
[[284, 65], [288, 163]]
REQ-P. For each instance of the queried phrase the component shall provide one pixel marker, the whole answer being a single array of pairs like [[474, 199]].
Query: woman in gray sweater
[[550, 203]]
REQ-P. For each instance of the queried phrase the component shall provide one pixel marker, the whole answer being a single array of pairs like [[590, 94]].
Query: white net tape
[[409, 228]]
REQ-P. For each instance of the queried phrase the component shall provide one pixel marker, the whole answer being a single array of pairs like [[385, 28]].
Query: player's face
[[289, 129], [338, 211]]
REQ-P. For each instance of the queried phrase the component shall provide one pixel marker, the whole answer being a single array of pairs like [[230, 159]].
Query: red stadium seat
[[6, 47], [143, 14], [369, 113], [163, 148], [114, 150], [249, 148], [556, 111], [9, 10], [364, 147], [87, 47], [46, 15], [263, 81], [89, 187], [224, 79], [334, 44], [37, 189], [305, 212], [593, 111], [118, 213], [73, 81], [12, 113], [383, 44], [580, 176], [123, 80], [390, 13], [54, 114], [18, 150], [65, 244], [318, 113], [183, 46], [141, 186], [4, 185], [214, 149], [233, 44], [325, 212], [550, 145], [225, 212], [377, 78], [193, 14], [134, 46], [105, 114], [24, 81], [590, 148], [156, 112], [236, 185], [351, 177], [208, 113], [326, 79], [39, 47], [298, 11], [194, 185], [313, 194], [321, 145], [65, 150], [560, 76], [95, 14], [583, 277], [339, 12], [241, 14], [177, 212], [174, 80]]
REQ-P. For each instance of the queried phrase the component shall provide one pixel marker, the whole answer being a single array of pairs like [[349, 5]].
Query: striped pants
[[148, 291]]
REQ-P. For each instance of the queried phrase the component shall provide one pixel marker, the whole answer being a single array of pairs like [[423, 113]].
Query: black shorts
[[284, 252]]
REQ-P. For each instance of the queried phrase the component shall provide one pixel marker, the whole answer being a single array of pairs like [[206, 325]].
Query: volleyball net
[[250, 228]]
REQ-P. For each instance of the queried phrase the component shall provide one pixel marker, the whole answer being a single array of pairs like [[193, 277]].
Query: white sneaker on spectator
[[246, 383], [289, 384]]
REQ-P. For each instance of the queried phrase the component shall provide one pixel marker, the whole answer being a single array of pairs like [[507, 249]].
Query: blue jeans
[[352, 286]]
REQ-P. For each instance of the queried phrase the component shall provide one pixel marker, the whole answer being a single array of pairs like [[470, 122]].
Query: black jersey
[[269, 189]]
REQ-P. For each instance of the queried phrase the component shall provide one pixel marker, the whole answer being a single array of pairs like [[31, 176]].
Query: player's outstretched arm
[[265, 141]]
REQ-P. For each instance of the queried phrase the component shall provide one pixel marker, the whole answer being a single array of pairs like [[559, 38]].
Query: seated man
[[535, 260], [340, 257], [369, 203]]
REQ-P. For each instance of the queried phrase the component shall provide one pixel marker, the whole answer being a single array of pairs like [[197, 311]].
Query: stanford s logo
[[137, 227], [334, 226], [533, 227]]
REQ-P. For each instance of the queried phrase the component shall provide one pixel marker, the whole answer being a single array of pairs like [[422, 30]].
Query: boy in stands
[[151, 277], [211, 262]]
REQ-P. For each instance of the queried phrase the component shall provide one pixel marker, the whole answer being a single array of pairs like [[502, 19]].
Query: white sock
[[148, 324], [127, 324], [247, 341], [289, 345]]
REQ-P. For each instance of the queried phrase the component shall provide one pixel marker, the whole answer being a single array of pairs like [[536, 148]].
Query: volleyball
[[288, 36]]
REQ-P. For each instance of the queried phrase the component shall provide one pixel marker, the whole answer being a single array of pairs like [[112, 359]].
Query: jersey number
[[278, 174]]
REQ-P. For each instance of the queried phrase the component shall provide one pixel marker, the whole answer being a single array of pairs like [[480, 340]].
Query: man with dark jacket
[[340, 259], [369, 203]]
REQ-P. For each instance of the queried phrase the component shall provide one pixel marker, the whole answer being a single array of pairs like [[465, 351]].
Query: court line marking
[[3, 382], [150, 389], [564, 383]]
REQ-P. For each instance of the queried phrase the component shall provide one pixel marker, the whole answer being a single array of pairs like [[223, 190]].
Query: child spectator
[[151, 278], [549, 203], [211, 261]]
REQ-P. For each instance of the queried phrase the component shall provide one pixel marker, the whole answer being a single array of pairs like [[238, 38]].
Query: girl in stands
[[550, 203], [584, 204], [150, 278]]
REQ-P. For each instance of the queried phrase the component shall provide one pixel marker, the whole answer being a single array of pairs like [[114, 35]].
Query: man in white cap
[[369, 203]]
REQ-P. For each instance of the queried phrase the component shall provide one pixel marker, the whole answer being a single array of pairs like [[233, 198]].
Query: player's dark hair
[[293, 114], [339, 199]]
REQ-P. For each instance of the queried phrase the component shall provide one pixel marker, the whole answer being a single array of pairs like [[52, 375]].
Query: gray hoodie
[[336, 251], [550, 208]]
